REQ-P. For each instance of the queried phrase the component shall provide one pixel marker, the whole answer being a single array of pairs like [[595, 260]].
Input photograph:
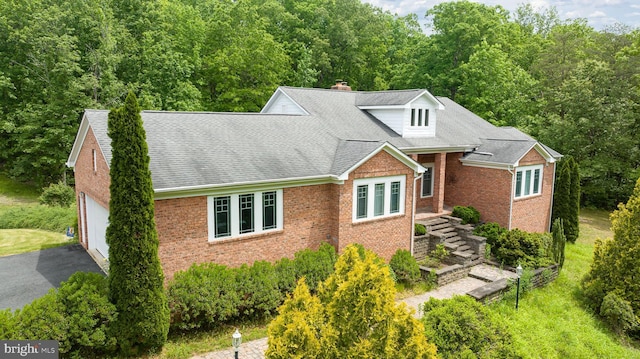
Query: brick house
[[316, 166]]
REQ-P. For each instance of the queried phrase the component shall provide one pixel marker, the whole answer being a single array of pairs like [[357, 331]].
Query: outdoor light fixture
[[519, 274], [236, 340]]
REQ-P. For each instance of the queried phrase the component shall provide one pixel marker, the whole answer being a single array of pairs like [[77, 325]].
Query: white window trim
[[432, 166], [94, 158], [523, 170], [370, 183], [235, 215], [421, 113]]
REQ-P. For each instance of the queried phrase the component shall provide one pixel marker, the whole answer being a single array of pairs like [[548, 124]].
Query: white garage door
[[97, 221]]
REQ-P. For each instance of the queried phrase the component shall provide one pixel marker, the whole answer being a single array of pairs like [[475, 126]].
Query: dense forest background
[[572, 87]]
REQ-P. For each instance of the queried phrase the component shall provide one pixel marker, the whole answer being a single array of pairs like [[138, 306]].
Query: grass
[[16, 241], [11, 191], [26, 226], [552, 322], [186, 345]]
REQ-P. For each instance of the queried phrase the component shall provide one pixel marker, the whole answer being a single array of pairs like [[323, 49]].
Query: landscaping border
[[494, 291]]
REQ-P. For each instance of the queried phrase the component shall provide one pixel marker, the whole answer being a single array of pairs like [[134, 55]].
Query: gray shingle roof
[[194, 149]]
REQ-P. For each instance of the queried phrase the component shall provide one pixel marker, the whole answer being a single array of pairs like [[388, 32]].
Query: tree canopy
[[572, 87]]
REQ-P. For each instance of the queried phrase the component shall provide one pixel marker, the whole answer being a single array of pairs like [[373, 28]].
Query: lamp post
[[236, 340], [519, 274]]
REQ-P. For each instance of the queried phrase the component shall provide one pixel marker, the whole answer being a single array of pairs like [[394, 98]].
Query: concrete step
[[464, 248]]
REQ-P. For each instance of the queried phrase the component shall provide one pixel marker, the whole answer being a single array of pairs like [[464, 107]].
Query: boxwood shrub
[[467, 214]]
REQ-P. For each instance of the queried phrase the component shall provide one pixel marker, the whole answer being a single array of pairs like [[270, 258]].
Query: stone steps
[[459, 250]]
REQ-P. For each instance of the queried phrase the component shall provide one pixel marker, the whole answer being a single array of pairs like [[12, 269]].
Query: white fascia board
[[427, 150], [541, 150], [483, 164], [78, 142], [242, 187], [393, 151], [440, 105], [382, 107], [279, 92]]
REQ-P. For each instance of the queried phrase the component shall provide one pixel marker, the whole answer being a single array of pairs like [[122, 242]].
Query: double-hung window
[[427, 180], [245, 213], [528, 181], [378, 197]]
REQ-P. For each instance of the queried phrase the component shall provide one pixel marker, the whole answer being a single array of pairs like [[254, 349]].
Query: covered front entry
[[97, 220], [430, 187]]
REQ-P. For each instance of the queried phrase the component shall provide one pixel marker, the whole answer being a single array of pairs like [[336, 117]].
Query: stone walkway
[[479, 276]]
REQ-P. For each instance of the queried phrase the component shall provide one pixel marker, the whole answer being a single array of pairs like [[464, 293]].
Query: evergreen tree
[[566, 199], [353, 316], [559, 241], [135, 275], [574, 201], [616, 263]]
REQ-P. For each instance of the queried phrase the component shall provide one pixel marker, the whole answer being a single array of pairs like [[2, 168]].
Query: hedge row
[[207, 295]]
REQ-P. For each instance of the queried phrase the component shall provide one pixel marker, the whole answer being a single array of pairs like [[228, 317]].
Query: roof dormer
[[410, 113]]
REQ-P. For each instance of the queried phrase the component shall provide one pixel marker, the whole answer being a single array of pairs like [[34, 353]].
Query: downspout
[[413, 212], [513, 185], [553, 192]]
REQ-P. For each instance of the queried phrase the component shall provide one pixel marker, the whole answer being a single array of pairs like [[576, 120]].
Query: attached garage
[[97, 219]]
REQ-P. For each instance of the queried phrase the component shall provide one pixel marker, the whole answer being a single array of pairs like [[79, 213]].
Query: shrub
[[7, 324], [257, 286], [618, 313], [616, 262], [559, 242], [203, 296], [419, 229], [519, 247], [43, 318], [286, 275], [54, 219], [57, 195], [354, 315], [84, 297], [461, 327], [315, 266], [491, 231], [440, 252], [467, 214], [405, 267]]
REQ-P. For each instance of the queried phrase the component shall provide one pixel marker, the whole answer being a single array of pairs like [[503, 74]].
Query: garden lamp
[[236, 340]]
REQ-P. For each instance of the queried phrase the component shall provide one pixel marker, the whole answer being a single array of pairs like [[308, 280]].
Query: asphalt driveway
[[25, 277]]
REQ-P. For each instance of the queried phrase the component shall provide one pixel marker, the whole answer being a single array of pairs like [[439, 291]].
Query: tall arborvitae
[[135, 274], [574, 201], [566, 199]]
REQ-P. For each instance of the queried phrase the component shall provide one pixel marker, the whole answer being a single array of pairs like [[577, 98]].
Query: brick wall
[[312, 215], [532, 214], [383, 236], [94, 184], [309, 214], [486, 189]]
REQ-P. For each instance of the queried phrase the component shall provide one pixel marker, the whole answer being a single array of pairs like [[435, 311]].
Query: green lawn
[[552, 322], [16, 241], [11, 192]]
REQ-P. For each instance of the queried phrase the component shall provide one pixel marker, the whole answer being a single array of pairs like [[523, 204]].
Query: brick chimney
[[341, 86]]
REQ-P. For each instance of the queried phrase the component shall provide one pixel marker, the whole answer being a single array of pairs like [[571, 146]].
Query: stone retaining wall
[[423, 245], [494, 291], [447, 274]]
